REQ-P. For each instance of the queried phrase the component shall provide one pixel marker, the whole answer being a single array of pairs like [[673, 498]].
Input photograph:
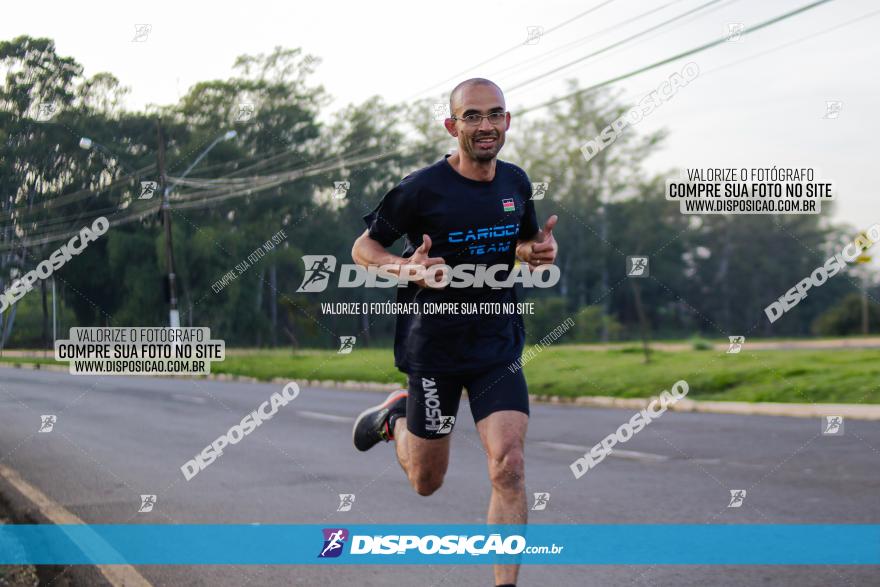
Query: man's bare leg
[[424, 461], [503, 434]]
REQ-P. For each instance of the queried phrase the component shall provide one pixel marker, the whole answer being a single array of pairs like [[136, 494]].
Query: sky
[[753, 104]]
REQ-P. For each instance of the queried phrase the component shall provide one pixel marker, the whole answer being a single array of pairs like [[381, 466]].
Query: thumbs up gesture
[[542, 249], [421, 259]]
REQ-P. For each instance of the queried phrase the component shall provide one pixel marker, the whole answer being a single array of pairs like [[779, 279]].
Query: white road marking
[[638, 456], [193, 399], [116, 575], [325, 417], [564, 446], [615, 452], [647, 456]]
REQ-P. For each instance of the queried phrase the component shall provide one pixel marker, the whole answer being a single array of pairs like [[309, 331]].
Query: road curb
[[358, 385], [32, 505], [792, 410]]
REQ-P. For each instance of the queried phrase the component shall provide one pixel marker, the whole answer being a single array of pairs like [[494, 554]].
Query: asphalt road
[[119, 437]]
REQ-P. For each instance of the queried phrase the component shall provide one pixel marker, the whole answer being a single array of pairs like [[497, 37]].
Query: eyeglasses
[[495, 118]]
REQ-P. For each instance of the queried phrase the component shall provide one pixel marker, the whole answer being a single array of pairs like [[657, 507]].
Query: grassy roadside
[[845, 376], [802, 376], [29, 360]]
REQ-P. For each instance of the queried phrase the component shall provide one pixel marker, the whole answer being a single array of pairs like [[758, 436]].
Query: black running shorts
[[432, 404]]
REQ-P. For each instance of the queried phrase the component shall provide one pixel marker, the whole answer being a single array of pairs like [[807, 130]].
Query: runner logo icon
[[346, 500], [319, 268], [446, 424], [147, 503], [539, 189], [47, 423], [334, 541], [346, 344], [541, 501], [637, 266], [148, 189], [736, 344], [340, 188], [832, 426], [737, 496]]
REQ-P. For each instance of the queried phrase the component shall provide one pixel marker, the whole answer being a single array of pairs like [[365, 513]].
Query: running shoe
[[372, 425]]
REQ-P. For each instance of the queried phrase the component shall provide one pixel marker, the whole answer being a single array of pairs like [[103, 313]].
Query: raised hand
[[420, 261], [542, 250]]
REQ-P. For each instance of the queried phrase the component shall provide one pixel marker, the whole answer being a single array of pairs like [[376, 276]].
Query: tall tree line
[[709, 274]]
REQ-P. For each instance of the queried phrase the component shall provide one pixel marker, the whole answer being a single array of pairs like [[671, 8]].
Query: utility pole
[[173, 314], [643, 320], [864, 257]]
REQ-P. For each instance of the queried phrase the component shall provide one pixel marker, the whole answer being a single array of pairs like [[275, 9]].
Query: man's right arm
[[367, 251]]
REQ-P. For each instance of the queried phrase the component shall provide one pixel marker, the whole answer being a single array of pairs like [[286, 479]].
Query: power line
[[650, 36], [78, 195], [207, 199], [257, 183], [779, 47], [780, 18], [267, 182], [794, 42], [513, 48], [581, 41], [676, 57], [613, 45]]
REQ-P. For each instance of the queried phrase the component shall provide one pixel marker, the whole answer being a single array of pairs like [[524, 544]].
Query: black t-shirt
[[469, 221]]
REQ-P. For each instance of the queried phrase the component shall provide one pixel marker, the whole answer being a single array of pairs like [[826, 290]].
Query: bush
[[549, 313], [699, 343], [588, 325], [846, 317], [27, 329]]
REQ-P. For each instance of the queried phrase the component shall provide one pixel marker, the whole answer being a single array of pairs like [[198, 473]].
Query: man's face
[[482, 142]]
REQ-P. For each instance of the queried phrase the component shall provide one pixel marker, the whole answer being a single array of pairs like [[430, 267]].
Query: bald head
[[455, 96], [481, 136]]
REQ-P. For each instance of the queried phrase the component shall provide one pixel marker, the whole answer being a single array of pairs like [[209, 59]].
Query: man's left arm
[[541, 249]]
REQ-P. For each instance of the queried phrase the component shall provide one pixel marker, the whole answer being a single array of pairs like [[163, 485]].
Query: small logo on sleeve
[[508, 205]]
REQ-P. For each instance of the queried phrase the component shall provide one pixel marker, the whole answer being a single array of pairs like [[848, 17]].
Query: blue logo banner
[[601, 544]]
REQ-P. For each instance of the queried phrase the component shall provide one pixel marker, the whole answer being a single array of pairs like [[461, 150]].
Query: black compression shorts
[[432, 404]]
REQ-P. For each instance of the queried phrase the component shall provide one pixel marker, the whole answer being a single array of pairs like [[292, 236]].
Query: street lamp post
[[87, 144], [173, 313]]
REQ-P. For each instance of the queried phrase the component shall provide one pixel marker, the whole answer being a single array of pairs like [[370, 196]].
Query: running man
[[472, 208]]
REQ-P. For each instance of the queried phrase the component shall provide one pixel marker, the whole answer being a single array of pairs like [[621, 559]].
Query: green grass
[[361, 365], [803, 376], [31, 360], [838, 376]]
